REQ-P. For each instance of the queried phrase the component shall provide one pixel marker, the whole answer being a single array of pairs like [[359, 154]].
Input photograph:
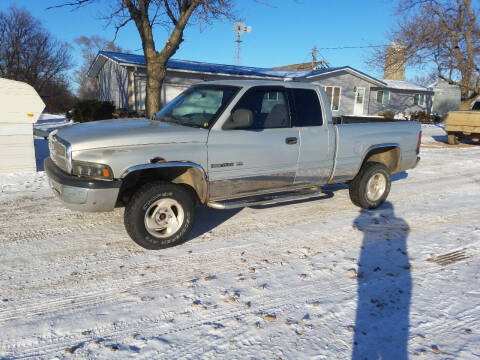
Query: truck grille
[[58, 153]]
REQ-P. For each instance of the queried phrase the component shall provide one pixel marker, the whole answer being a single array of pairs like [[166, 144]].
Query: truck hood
[[127, 132]]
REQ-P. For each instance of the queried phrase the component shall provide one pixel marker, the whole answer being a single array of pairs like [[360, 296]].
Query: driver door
[[261, 158]]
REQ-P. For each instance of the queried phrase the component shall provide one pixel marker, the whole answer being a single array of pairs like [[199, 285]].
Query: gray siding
[[347, 82], [401, 101], [113, 84], [446, 98]]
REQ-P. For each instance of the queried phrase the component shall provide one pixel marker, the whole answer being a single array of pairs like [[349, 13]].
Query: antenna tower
[[239, 28]]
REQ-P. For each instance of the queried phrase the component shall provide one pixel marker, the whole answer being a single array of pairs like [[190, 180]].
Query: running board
[[268, 199]]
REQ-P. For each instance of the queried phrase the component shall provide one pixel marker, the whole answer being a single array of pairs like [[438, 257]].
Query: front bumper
[[82, 194]]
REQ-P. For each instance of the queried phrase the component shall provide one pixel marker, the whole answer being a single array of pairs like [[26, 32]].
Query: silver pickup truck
[[224, 144]]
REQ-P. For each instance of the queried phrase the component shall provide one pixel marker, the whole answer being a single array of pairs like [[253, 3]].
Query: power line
[[351, 47]]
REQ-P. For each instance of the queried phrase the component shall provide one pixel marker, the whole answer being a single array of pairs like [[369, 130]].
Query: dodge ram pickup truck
[[224, 144]]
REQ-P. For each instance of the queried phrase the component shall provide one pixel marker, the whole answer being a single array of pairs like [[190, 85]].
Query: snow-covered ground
[[313, 279]]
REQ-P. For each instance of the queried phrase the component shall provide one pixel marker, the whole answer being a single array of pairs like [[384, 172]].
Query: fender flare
[[381, 146], [194, 176]]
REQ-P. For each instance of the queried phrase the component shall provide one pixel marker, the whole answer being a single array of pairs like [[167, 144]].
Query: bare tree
[[57, 95], [28, 52], [90, 46], [173, 16], [426, 80], [445, 33]]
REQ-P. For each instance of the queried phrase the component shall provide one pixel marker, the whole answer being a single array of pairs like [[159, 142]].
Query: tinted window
[[307, 108], [269, 108]]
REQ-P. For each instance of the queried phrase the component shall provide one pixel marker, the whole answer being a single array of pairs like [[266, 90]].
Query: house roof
[[405, 85], [246, 71], [303, 66], [192, 66], [232, 70], [348, 69], [442, 84]]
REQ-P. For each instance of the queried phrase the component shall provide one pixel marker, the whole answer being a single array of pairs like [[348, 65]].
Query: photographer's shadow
[[384, 286]]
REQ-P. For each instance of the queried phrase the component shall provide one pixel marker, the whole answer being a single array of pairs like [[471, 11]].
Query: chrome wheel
[[376, 187], [164, 218]]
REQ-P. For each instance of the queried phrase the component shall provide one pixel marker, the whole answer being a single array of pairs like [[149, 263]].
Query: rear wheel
[[370, 188], [453, 139], [160, 215]]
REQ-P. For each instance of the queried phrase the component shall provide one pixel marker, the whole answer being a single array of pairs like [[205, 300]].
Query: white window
[[419, 99], [334, 93], [383, 96]]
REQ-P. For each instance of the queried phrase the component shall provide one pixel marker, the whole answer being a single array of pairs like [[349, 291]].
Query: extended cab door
[[260, 158], [317, 138]]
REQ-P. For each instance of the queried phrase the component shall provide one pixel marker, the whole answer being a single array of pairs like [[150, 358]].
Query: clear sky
[[280, 36]]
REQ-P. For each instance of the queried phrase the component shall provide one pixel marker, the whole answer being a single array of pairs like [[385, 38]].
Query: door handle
[[291, 140]]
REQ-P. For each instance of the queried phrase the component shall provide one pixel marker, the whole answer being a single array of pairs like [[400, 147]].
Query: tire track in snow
[[116, 288], [276, 302]]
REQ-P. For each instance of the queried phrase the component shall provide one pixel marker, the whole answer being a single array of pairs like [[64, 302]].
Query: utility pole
[[314, 57]]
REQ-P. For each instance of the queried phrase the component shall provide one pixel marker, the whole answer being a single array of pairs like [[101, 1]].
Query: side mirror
[[240, 119]]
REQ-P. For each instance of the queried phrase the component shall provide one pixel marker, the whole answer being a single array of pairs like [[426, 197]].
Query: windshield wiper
[[177, 120]]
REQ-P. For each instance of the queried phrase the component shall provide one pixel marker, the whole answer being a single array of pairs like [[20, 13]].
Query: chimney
[[395, 62]]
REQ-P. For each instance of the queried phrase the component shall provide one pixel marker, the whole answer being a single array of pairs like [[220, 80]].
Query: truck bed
[[457, 119], [355, 140], [467, 122]]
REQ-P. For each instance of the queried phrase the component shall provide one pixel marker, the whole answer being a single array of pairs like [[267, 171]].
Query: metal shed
[[446, 97], [20, 107]]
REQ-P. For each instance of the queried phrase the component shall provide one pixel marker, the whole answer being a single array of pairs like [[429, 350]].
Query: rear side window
[[269, 108], [307, 108]]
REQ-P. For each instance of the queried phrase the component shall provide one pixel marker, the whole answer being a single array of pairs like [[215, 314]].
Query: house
[[400, 97], [122, 79]]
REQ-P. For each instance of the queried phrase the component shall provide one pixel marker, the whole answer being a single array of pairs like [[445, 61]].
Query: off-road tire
[[452, 139], [148, 194], [358, 186]]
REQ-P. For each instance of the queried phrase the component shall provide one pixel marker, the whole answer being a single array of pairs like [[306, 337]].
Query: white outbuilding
[[20, 108]]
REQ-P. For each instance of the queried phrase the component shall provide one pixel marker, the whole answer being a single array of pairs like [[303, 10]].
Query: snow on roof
[[404, 85], [196, 66]]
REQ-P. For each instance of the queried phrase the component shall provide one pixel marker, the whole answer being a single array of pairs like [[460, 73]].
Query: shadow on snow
[[384, 286]]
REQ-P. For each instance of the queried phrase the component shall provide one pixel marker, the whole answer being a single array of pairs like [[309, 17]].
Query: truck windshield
[[199, 106]]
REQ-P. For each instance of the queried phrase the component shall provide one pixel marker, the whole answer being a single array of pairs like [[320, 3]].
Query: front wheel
[[160, 215], [370, 188]]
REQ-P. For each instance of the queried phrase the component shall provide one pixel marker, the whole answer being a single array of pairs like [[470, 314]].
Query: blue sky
[[280, 36]]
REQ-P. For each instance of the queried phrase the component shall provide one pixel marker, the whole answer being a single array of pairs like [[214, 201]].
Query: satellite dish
[[239, 28]]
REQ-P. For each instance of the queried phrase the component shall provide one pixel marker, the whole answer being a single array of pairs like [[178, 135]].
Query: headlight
[[92, 170]]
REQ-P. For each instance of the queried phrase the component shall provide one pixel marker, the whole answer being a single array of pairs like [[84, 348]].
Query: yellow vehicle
[[462, 125]]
